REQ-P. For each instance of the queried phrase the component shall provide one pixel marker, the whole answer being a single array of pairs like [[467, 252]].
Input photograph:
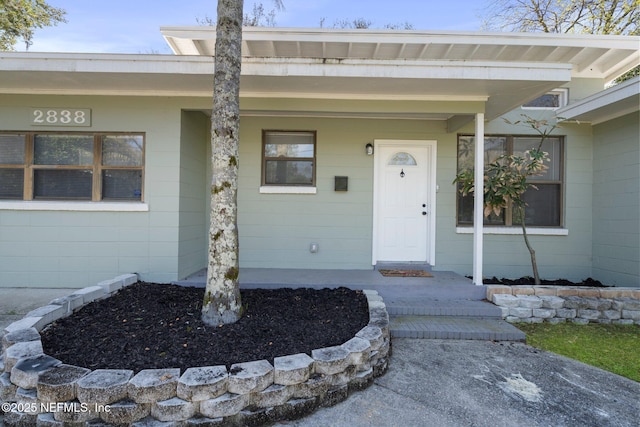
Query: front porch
[[444, 285], [445, 306]]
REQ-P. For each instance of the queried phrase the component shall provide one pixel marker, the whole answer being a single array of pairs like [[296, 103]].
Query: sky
[[133, 26]]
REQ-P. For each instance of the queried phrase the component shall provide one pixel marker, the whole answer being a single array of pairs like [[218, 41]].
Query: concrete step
[[431, 307], [450, 327]]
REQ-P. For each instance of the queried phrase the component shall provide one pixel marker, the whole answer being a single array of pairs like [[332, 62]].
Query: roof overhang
[[590, 56], [502, 86], [490, 73], [617, 101]]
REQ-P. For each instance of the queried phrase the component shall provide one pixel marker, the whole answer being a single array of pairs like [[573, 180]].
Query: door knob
[[424, 213]]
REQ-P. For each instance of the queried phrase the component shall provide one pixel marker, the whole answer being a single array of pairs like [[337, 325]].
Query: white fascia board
[[324, 35], [105, 63], [451, 70], [199, 65]]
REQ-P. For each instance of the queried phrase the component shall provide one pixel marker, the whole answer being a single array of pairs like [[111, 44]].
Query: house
[[350, 142]]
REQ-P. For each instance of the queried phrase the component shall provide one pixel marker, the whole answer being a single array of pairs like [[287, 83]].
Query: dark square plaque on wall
[[341, 183]]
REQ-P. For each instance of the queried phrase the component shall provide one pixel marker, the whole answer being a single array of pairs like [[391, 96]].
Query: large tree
[[19, 18], [565, 16], [221, 303]]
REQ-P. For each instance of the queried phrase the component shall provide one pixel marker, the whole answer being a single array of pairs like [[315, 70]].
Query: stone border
[[42, 391], [557, 304]]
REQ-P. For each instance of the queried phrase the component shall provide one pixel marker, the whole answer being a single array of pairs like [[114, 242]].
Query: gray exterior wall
[[168, 241], [194, 208], [277, 229], [61, 248], [616, 195]]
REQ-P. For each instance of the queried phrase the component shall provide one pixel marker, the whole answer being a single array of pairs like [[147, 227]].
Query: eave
[[614, 102], [502, 86]]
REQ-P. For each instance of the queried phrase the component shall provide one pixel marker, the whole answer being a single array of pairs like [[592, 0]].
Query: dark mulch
[[530, 281], [151, 326]]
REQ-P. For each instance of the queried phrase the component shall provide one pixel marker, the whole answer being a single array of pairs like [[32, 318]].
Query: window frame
[[288, 188], [96, 167], [508, 212], [561, 93]]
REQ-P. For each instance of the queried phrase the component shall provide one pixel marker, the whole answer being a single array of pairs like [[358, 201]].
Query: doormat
[[405, 273]]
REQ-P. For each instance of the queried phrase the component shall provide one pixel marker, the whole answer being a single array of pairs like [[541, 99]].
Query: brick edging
[[249, 393], [557, 304]]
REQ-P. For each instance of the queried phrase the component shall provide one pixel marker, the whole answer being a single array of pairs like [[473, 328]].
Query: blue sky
[[133, 26]]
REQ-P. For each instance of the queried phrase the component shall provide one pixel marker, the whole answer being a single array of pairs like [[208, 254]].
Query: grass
[[614, 348]]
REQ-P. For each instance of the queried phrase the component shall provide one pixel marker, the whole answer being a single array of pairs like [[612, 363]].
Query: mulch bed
[[152, 326]]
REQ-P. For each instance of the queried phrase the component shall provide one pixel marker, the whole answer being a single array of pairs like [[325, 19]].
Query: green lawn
[[615, 348]]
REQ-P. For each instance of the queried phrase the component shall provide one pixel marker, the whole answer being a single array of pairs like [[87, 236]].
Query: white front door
[[404, 211]]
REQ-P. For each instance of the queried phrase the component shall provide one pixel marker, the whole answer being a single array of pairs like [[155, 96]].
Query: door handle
[[424, 213]]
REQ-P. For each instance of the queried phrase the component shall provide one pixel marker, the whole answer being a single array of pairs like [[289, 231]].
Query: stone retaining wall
[[38, 390], [557, 304]]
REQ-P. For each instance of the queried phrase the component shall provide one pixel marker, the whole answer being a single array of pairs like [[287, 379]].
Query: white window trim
[[563, 99], [73, 206], [286, 189], [534, 231]]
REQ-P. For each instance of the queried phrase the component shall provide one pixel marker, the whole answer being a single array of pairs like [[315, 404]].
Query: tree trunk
[[221, 303], [534, 263]]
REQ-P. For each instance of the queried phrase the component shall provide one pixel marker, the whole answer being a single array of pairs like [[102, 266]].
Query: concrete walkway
[[455, 383], [478, 383], [446, 305]]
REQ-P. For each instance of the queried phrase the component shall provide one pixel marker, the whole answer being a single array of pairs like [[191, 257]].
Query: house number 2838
[[60, 117]]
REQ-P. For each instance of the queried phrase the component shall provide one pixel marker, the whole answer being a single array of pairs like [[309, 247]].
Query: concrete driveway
[[476, 383]]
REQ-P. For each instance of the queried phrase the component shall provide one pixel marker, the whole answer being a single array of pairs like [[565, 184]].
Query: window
[[551, 100], [402, 159], [71, 166], [544, 205], [288, 158]]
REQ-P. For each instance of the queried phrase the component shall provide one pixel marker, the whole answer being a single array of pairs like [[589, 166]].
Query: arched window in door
[[402, 159]]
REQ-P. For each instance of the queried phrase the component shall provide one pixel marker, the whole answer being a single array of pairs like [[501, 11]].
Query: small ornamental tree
[[505, 180]]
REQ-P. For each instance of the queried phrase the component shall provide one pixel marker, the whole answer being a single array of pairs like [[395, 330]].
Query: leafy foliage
[[505, 179], [19, 18]]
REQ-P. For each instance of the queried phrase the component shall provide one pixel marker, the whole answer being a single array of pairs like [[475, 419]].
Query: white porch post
[[478, 208]]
